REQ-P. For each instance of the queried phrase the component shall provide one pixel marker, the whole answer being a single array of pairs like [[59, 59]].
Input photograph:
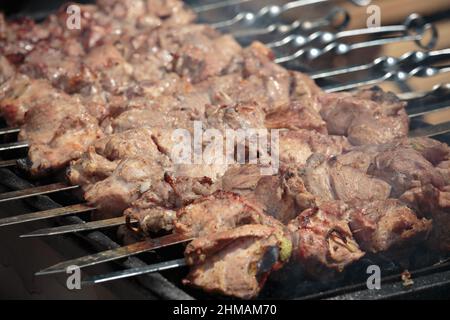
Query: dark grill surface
[[430, 273]]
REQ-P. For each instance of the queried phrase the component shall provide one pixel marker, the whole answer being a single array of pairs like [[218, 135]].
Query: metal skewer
[[118, 253], [413, 29], [14, 146], [40, 215], [6, 131], [8, 163], [41, 190], [88, 226], [157, 267], [409, 65]]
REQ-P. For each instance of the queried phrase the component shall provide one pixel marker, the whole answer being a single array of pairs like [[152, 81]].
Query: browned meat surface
[[129, 180], [6, 70], [106, 153], [118, 168], [322, 240], [156, 209], [295, 147], [58, 126], [236, 262], [330, 180], [366, 117], [20, 93], [282, 196], [387, 225], [218, 212], [295, 116]]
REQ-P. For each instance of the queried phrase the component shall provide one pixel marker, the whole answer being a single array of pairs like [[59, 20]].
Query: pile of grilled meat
[[103, 101]]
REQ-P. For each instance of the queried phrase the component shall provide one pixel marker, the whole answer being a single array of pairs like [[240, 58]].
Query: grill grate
[[428, 279]]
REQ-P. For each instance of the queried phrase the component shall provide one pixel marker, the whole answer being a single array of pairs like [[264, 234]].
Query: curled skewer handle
[[293, 4], [249, 18], [337, 18], [409, 65], [439, 90], [413, 29]]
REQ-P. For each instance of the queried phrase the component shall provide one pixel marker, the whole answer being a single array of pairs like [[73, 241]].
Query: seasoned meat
[[296, 116], [295, 147], [234, 117], [236, 262], [129, 180], [203, 59], [282, 196], [404, 168], [20, 93], [156, 209], [113, 71], [106, 153], [329, 180], [366, 117], [58, 131], [218, 212], [6, 70], [322, 240], [387, 225], [63, 71]]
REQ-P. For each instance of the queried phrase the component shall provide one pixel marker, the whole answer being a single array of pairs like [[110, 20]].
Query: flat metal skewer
[[35, 191], [6, 131], [133, 272], [431, 130], [80, 227], [14, 146], [40, 215], [8, 163], [118, 253]]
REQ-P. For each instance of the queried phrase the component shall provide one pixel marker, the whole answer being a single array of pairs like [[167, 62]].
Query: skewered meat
[[327, 180], [366, 117], [109, 96], [156, 209], [322, 240], [236, 262], [20, 93], [295, 147], [387, 225], [220, 211]]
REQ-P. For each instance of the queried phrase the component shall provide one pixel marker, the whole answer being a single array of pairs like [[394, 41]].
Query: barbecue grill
[[302, 44]]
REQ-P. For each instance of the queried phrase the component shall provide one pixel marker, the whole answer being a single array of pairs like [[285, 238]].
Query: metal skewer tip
[[117, 253], [14, 146], [40, 215], [72, 228], [135, 272], [35, 191]]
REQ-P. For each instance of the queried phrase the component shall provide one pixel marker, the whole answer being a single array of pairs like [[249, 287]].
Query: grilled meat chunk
[[129, 180], [295, 116], [6, 70], [20, 94], [330, 180], [101, 159], [387, 225], [365, 117], [322, 240], [156, 209], [217, 212], [295, 147], [236, 262]]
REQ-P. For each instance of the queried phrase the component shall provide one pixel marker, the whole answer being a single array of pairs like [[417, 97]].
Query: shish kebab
[[275, 117]]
